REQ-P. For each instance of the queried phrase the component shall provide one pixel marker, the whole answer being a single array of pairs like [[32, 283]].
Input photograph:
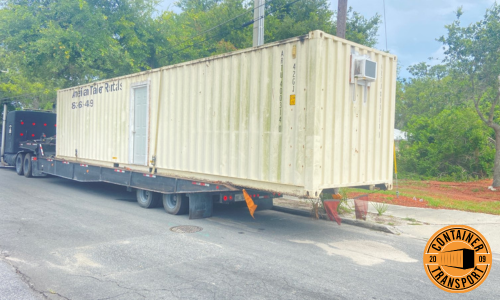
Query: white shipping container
[[288, 117]]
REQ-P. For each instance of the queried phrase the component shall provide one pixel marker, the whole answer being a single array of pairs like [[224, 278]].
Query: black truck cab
[[24, 125]]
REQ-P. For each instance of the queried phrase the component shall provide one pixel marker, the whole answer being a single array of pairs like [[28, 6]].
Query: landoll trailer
[[295, 117]]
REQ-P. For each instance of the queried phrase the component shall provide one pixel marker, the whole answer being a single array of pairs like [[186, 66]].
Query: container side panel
[[358, 120], [284, 116]]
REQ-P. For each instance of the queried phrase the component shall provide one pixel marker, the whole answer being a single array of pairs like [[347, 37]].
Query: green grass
[[410, 219], [488, 207]]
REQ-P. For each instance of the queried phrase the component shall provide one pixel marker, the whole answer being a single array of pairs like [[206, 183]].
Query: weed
[[475, 190], [410, 219], [380, 207], [343, 207], [390, 223], [317, 206]]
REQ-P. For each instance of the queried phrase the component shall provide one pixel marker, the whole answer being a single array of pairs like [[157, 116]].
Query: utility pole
[[258, 25], [341, 18]]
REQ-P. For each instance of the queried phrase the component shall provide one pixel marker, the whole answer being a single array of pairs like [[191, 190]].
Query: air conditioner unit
[[365, 69]]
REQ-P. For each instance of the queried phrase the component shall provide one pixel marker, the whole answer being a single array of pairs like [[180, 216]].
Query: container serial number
[[82, 104]]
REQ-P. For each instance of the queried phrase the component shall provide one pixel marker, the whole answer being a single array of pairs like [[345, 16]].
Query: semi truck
[[299, 117]]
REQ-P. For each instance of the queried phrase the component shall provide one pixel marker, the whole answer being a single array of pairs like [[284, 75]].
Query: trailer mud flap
[[200, 206], [35, 171], [47, 166]]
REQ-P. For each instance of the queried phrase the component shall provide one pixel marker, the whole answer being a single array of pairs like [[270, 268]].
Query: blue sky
[[412, 25]]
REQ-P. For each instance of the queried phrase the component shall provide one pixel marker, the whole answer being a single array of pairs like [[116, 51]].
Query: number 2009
[[81, 104]]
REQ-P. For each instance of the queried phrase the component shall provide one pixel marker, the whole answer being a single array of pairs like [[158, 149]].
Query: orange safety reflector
[[361, 206], [331, 210], [251, 206]]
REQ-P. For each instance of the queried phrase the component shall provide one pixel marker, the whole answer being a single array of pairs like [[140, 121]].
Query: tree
[[428, 91], [48, 45], [473, 55], [453, 144], [208, 27], [65, 43]]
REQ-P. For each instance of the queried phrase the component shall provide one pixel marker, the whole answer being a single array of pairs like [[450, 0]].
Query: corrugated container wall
[[282, 117]]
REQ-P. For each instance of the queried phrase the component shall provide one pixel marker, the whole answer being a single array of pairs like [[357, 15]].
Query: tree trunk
[[496, 168]]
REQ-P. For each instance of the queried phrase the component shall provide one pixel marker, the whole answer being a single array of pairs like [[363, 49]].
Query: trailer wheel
[[27, 167], [147, 199], [176, 204], [19, 164]]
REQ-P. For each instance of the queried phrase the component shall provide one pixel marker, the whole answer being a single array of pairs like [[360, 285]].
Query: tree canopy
[[450, 110], [48, 45]]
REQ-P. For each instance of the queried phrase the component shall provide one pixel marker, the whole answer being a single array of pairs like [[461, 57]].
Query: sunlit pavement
[[92, 241]]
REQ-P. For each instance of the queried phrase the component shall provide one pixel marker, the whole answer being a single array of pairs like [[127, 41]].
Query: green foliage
[[190, 40], [439, 105], [48, 45], [472, 52], [454, 144], [430, 90], [69, 42], [311, 15], [381, 208]]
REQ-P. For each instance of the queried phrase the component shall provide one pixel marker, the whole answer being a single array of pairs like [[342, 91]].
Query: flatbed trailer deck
[[198, 197]]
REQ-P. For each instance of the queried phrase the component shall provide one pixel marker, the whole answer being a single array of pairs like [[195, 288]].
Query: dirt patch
[[470, 191], [454, 195], [391, 199]]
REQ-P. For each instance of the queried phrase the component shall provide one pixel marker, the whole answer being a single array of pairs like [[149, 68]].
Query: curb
[[364, 224]]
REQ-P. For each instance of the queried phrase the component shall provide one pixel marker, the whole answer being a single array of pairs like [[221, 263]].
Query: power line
[[225, 22], [216, 26], [267, 13], [234, 28]]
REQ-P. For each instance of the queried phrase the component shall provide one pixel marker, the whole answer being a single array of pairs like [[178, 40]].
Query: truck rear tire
[[176, 204], [27, 167], [147, 199], [19, 164]]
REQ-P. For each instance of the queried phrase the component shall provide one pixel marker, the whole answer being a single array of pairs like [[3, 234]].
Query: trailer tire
[[27, 167], [176, 204], [147, 199], [19, 164]]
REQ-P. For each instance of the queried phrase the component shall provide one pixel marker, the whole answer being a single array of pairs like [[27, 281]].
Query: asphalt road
[[70, 240]]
